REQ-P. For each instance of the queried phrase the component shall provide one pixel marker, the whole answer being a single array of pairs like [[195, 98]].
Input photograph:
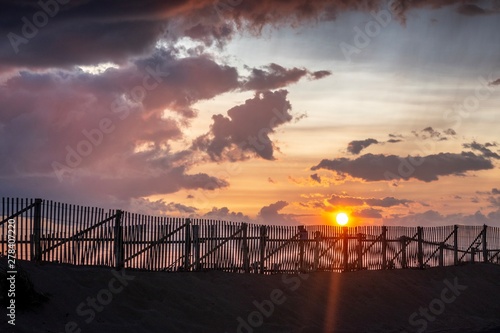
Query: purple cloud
[[380, 167], [247, 127]]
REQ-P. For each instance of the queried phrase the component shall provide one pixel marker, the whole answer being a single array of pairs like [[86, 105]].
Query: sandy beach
[[98, 299]]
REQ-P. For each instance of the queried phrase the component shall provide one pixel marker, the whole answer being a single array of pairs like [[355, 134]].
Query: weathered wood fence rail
[[53, 231]]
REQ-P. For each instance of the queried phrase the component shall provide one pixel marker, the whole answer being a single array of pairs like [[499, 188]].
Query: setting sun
[[342, 218]]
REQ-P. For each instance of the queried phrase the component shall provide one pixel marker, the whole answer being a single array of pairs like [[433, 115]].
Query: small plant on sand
[[26, 296]]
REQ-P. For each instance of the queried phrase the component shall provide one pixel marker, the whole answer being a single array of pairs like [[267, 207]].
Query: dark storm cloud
[[355, 147], [80, 32], [495, 83], [495, 191], [371, 167], [274, 76], [483, 149], [52, 33], [247, 127], [258, 13], [63, 33]]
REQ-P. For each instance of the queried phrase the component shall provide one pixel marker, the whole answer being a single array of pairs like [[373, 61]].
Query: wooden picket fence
[[58, 232]]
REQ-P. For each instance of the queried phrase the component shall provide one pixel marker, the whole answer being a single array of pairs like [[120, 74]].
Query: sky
[[275, 112]]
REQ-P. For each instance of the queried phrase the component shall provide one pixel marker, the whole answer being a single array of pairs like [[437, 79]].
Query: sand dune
[[96, 299]]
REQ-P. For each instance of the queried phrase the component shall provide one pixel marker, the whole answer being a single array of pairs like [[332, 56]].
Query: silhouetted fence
[[53, 231]]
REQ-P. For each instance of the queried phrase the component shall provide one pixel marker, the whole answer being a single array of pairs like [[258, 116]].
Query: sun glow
[[342, 218]]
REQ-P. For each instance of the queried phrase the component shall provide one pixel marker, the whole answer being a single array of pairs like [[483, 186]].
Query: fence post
[[317, 238], [263, 234], [345, 249], [118, 240], [196, 243], [244, 248], [404, 263], [455, 244], [473, 255], [360, 251], [37, 224], [441, 254], [384, 247], [485, 245], [303, 238], [420, 253], [187, 245]]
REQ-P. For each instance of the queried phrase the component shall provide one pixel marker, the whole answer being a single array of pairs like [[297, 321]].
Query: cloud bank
[[428, 168]]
